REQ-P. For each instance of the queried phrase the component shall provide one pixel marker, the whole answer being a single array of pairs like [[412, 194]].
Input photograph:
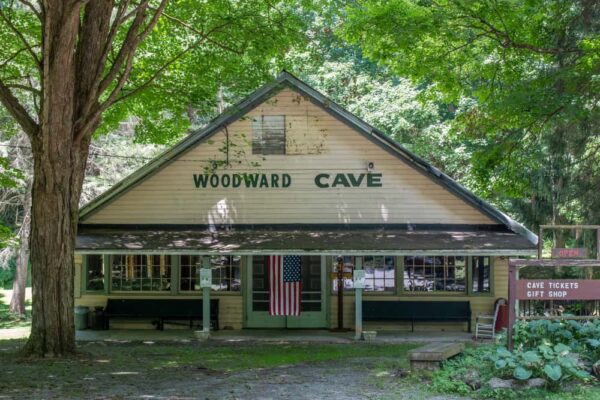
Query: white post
[[205, 284], [359, 284]]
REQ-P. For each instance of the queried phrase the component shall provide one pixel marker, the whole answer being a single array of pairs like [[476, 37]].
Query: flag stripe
[[285, 288]]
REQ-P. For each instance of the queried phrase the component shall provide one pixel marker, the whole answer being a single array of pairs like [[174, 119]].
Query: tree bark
[[17, 301], [58, 169]]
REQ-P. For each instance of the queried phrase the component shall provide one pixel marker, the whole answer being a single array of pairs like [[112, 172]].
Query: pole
[[340, 296], [358, 301], [512, 306], [206, 295]]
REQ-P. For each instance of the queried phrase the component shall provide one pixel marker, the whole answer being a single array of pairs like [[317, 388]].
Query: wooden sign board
[[579, 252], [557, 289]]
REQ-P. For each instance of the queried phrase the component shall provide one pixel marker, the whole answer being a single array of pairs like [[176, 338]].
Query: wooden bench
[[416, 311], [160, 310], [431, 355]]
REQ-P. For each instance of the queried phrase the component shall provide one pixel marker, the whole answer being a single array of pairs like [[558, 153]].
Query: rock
[[596, 369], [536, 383], [497, 383], [472, 379]]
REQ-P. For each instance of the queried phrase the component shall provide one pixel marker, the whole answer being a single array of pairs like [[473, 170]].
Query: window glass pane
[[431, 274], [379, 273], [268, 134], [481, 274], [95, 272], [146, 273]]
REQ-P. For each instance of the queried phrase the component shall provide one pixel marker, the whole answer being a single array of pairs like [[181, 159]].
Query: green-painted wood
[[358, 304]]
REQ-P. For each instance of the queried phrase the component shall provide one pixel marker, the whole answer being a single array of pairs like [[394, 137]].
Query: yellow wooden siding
[[316, 142]]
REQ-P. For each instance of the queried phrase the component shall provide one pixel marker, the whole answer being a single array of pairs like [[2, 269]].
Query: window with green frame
[[94, 272], [226, 273], [380, 273], [435, 274], [140, 273]]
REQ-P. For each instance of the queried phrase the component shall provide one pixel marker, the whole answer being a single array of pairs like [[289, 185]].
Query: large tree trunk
[[58, 172], [17, 301]]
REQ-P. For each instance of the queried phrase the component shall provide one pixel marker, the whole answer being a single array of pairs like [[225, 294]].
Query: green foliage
[[552, 363], [523, 76], [579, 337]]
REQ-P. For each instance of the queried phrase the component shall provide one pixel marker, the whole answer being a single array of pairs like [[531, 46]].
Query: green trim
[[492, 291], [84, 275], [286, 79], [175, 272]]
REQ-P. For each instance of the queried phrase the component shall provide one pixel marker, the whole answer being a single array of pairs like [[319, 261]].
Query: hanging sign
[[359, 279], [205, 277], [557, 289], [559, 252]]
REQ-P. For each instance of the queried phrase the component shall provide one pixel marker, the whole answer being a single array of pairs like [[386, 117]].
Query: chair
[[485, 325]]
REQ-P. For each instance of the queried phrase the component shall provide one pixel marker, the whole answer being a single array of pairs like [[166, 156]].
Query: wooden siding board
[[407, 196]]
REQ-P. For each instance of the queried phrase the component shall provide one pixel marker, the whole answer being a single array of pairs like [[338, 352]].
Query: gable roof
[[285, 79]]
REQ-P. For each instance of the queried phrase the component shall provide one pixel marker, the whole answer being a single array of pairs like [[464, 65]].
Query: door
[[313, 307]]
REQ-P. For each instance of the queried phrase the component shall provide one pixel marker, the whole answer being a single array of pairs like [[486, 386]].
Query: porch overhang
[[301, 241]]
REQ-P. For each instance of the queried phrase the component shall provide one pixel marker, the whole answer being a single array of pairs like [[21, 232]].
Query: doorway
[[313, 304]]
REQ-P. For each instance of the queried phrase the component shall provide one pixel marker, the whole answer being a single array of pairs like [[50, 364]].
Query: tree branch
[[37, 12], [124, 58], [29, 48], [18, 112]]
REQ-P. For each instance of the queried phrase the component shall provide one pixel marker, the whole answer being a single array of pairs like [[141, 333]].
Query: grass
[[9, 320], [103, 366]]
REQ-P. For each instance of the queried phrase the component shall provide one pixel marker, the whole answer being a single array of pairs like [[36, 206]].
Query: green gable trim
[[285, 79]]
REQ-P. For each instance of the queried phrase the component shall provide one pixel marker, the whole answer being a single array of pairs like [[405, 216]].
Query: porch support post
[[512, 301], [205, 295], [358, 300]]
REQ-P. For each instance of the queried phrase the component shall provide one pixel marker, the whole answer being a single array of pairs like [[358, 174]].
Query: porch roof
[[327, 241]]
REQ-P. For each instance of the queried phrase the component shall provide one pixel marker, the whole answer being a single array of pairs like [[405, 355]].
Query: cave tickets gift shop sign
[[275, 180], [554, 289]]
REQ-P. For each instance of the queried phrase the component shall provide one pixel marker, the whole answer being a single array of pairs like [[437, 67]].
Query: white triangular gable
[[316, 144]]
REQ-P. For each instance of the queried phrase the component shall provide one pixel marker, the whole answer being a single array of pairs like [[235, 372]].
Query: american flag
[[285, 286]]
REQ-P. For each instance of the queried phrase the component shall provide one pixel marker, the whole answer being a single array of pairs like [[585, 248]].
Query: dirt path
[[177, 372]]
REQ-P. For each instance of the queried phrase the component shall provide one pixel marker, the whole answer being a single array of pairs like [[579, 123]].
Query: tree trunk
[[58, 170], [17, 301]]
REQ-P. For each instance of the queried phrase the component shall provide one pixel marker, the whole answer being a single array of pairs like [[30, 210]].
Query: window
[[94, 279], [380, 273], [268, 134], [348, 267], [188, 278], [226, 275], [141, 273], [435, 274], [480, 272]]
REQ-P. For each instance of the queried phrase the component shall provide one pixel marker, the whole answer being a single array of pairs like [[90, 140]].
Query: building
[[288, 172]]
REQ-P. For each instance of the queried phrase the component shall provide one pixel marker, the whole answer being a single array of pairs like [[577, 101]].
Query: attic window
[[268, 134]]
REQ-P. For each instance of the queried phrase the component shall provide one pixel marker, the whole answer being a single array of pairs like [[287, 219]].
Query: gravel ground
[[136, 372]]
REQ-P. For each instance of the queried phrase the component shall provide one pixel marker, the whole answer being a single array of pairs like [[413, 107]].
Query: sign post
[[359, 285], [205, 284], [547, 289], [340, 275]]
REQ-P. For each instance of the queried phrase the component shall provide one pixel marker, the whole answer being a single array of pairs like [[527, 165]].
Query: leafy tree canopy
[[524, 76]]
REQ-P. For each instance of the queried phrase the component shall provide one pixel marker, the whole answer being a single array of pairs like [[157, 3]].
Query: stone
[[472, 379], [596, 369], [497, 383]]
